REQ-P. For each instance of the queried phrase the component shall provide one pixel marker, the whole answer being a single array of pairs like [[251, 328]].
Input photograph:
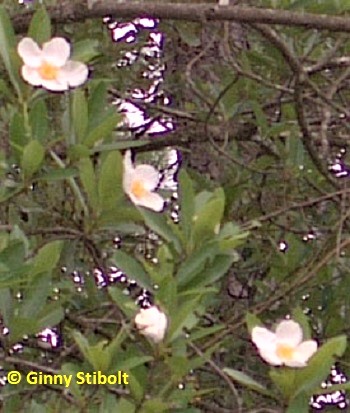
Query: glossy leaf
[[39, 121], [110, 182], [48, 256], [88, 179], [161, 226], [40, 26], [85, 50], [125, 303], [207, 220], [186, 194], [33, 156], [103, 129], [196, 263], [320, 365], [18, 137], [132, 268], [94, 354], [7, 49], [79, 114], [246, 381]]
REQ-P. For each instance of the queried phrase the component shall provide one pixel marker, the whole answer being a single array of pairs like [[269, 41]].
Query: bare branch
[[80, 11]]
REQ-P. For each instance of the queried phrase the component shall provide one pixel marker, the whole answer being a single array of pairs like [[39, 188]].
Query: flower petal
[[294, 363], [30, 52], [262, 337], [75, 73], [56, 52], [129, 172], [148, 175], [305, 351], [289, 332], [151, 200], [270, 356], [31, 75], [128, 165], [56, 85], [265, 340]]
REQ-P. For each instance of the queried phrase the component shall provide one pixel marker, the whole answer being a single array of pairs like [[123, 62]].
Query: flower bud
[[152, 323]]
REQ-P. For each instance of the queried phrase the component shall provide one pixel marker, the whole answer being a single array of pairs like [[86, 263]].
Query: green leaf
[[79, 114], [21, 326], [230, 237], [132, 268], [260, 116], [76, 152], [246, 381], [6, 305], [154, 405], [85, 50], [180, 319], [124, 302], [48, 256], [88, 179], [51, 315], [125, 406], [36, 295], [167, 294], [40, 26], [252, 321], [165, 265], [108, 404], [18, 137], [212, 272], [36, 407], [205, 331], [319, 366], [8, 49], [285, 380], [97, 103], [196, 263], [189, 33], [13, 255], [103, 129], [57, 174], [131, 362], [161, 226], [300, 404], [33, 156], [114, 347], [299, 316], [186, 194], [39, 121], [74, 388], [206, 222], [94, 354], [5, 91], [110, 181]]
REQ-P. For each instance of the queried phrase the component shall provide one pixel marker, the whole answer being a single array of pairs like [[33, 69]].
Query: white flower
[[152, 323], [285, 346], [49, 67], [139, 183]]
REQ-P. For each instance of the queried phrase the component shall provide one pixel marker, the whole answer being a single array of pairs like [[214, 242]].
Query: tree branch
[[80, 11]]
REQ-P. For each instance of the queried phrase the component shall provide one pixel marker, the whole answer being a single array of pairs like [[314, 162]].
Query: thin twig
[[221, 374]]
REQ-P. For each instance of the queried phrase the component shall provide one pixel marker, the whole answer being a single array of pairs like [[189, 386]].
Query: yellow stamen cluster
[[138, 189], [48, 71], [285, 352]]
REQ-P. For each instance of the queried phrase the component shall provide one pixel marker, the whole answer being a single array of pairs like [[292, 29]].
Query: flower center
[[285, 352], [138, 189], [48, 71]]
